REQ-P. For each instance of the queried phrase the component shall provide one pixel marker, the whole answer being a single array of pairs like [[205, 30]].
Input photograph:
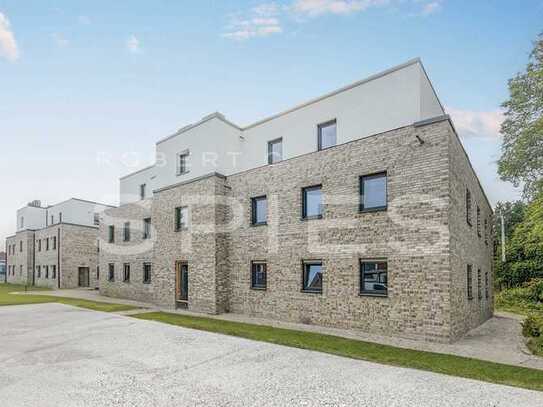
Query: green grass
[[433, 362], [15, 299]]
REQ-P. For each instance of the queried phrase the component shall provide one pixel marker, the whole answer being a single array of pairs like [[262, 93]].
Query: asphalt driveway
[[57, 355]]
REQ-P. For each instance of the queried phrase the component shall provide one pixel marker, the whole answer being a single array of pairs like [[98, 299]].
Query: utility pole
[[503, 236]]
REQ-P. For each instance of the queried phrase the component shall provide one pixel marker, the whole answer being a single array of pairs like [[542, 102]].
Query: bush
[[523, 300], [533, 326]]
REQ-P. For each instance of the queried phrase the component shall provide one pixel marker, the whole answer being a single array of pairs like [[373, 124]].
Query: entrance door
[[84, 277], [181, 282]]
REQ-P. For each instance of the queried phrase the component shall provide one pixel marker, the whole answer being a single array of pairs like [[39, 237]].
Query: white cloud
[[476, 123], [261, 22], [319, 7], [8, 45], [133, 45], [60, 40]]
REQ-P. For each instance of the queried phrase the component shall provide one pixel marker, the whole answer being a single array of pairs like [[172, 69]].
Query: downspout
[[58, 257]]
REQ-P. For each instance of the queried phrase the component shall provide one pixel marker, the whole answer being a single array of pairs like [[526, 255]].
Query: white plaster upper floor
[[391, 99]]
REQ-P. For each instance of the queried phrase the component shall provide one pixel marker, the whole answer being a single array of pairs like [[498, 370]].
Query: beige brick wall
[[78, 248], [21, 259], [46, 257]]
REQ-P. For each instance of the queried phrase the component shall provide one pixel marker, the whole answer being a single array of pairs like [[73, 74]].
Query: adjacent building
[[2, 266], [55, 246], [358, 209]]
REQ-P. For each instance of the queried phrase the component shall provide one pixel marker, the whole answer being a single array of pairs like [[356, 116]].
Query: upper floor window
[[327, 134], [126, 232], [486, 231], [373, 192], [181, 217], [478, 221], [312, 276], [111, 234], [22, 222], [479, 285], [469, 276], [21, 246], [47, 244], [39, 245], [96, 219], [142, 191], [259, 210], [60, 218], [146, 273], [486, 285], [258, 275], [54, 242], [182, 163], [312, 202], [275, 151], [468, 206], [146, 228], [373, 277], [52, 219]]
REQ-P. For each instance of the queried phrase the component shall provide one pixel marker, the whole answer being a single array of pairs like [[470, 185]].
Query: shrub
[[523, 299], [533, 326]]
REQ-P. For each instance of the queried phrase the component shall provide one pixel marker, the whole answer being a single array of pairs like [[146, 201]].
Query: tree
[[522, 148]]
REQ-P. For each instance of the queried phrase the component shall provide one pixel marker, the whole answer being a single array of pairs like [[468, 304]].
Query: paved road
[[57, 355]]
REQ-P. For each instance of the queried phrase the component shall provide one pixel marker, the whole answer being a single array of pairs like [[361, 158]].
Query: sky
[[87, 88]]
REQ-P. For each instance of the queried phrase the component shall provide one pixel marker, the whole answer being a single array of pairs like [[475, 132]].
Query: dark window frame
[[469, 276], [111, 234], [126, 232], [479, 284], [54, 244], [478, 220], [182, 161], [486, 285], [271, 143], [126, 272], [305, 264], [143, 190], [146, 228], [304, 203], [469, 203], [179, 225], [321, 126], [379, 174], [254, 285], [254, 207], [147, 273], [111, 272], [371, 293]]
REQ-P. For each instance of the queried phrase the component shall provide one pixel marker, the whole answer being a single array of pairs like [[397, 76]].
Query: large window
[[126, 273], [126, 232], [275, 151], [373, 192], [327, 134], [182, 163], [147, 228], [469, 275], [312, 202], [259, 210], [258, 275], [312, 276], [373, 277], [111, 234], [181, 218], [111, 272], [143, 187], [468, 207], [147, 273]]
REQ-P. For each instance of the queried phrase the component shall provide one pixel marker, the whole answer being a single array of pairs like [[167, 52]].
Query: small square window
[[181, 218], [111, 234], [312, 202], [259, 210], [275, 151], [182, 163], [312, 277], [373, 192], [147, 273], [126, 273], [327, 135], [111, 272], [147, 228], [126, 232], [258, 275], [374, 277]]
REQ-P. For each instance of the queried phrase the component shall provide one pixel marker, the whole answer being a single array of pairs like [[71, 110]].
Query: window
[[275, 151], [181, 217], [486, 231], [312, 276], [38, 271], [126, 273], [98, 273], [126, 232], [478, 221], [259, 210], [258, 275], [468, 207], [53, 272], [46, 271], [96, 219], [21, 246], [312, 202], [47, 244], [479, 285], [60, 218], [147, 273], [39, 245], [22, 222], [111, 234], [486, 285], [374, 277], [20, 270], [470, 281], [373, 192], [147, 228], [142, 191], [327, 134], [182, 163], [54, 243], [111, 272], [52, 219]]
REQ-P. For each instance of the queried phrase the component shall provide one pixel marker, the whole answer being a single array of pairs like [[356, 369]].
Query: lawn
[[14, 299], [433, 362]]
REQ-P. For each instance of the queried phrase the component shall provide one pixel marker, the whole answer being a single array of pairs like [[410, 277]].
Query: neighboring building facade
[[2, 267], [358, 210], [55, 246]]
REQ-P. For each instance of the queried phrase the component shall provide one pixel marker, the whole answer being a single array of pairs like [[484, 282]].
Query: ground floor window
[[469, 276], [374, 277], [312, 276], [146, 273], [46, 271], [53, 272], [111, 272], [38, 271], [486, 285], [126, 273], [258, 275]]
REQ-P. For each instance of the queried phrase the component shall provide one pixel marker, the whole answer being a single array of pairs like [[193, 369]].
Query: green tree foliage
[[522, 130]]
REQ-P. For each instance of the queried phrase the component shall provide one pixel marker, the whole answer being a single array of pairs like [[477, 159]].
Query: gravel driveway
[[57, 355]]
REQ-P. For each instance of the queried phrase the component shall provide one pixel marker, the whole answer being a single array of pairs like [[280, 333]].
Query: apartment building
[[55, 246], [358, 209], [2, 266]]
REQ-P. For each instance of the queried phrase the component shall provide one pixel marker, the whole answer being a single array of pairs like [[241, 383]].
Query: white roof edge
[[137, 172]]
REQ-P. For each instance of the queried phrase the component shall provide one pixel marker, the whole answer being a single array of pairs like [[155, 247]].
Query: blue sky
[[83, 83]]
